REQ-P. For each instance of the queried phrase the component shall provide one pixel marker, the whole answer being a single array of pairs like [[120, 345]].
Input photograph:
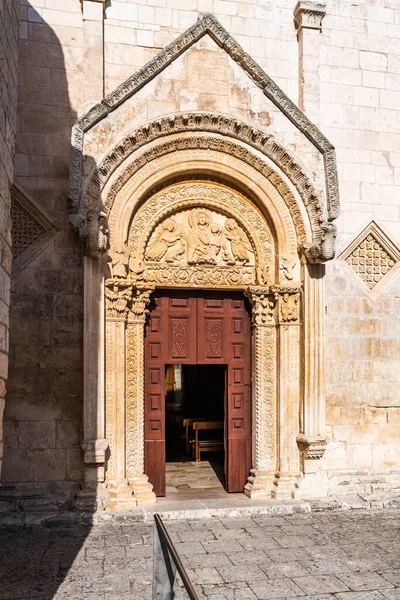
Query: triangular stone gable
[[206, 24]]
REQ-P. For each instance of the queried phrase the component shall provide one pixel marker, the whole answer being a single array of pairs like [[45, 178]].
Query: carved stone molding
[[312, 447], [197, 124], [309, 15], [206, 24], [373, 257]]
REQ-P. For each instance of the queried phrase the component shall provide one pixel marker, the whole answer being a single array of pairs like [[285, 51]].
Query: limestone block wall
[[360, 95], [43, 414], [8, 119]]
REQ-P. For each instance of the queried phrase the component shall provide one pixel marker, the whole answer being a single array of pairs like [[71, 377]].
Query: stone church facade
[[235, 150]]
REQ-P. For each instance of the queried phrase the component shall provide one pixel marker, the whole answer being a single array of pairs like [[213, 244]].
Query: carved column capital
[[309, 15], [312, 446], [140, 301], [118, 294], [263, 305], [288, 300]]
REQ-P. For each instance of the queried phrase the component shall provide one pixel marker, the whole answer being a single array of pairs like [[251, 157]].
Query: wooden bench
[[188, 423], [209, 445]]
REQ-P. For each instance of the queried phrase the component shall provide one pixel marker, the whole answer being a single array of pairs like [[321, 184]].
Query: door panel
[[154, 422], [238, 413], [199, 328]]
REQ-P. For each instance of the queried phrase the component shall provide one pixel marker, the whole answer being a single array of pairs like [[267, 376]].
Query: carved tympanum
[[200, 237]]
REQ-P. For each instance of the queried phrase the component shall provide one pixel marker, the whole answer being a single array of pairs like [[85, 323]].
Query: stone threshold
[[198, 509]]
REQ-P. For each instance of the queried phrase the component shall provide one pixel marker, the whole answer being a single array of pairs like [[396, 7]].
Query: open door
[[238, 407], [202, 327]]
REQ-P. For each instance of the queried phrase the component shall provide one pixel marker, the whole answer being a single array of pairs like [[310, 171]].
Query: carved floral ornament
[[208, 24], [274, 304]]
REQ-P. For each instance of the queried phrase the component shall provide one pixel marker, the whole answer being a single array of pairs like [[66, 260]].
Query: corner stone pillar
[[262, 475], [288, 303], [143, 490], [308, 17]]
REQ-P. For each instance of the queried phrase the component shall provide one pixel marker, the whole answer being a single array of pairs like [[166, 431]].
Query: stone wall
[[8, 119], [43, 413], [62, 73]]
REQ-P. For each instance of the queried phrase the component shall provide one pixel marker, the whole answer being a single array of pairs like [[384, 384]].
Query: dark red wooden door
[[199, 328]]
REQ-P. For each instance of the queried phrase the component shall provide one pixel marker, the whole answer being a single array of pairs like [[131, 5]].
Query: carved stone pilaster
[[288, 302], [309, 15], [264, 392], [143, 490]]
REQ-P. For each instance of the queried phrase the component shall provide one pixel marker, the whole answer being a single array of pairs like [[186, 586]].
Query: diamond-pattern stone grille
[[25, 229], [370, 260]]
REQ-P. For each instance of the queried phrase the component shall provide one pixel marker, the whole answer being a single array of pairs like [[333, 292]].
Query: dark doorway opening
[[195, 397]]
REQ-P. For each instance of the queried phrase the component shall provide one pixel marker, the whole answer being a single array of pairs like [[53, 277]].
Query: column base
[[91, 498], [142, 489], [284, 485], [121, 496], [259, 484]]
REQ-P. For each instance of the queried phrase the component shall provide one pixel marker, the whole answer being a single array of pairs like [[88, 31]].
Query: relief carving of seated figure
[[204, 242], [169, 244]]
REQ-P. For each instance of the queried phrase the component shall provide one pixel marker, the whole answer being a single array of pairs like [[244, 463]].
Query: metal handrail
[[166, 563]]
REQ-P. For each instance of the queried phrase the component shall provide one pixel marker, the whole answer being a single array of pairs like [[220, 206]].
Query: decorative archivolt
[[206, 24]]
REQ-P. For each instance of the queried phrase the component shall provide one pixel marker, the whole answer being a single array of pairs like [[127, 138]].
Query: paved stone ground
[[348, 556]]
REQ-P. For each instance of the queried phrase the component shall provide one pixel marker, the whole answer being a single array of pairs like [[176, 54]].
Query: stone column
[[259, 483], [94, 444], [118, 293], [308, 17], [139, 482], [288, 301], [93, 52], [312, 439]]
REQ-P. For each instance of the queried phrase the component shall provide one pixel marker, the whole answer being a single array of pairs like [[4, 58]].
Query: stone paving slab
[[113, 561]]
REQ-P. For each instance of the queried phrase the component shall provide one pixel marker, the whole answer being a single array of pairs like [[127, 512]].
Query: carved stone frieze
[[206, 24], [199, 237], [373, 257], [309, 14]]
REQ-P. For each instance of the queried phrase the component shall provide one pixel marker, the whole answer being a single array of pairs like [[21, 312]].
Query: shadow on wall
[[43, 462]]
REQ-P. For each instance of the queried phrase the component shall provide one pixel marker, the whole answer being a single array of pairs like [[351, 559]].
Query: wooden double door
[[199, 328]]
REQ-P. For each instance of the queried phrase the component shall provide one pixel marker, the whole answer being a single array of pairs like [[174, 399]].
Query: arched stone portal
[[261, 226]]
